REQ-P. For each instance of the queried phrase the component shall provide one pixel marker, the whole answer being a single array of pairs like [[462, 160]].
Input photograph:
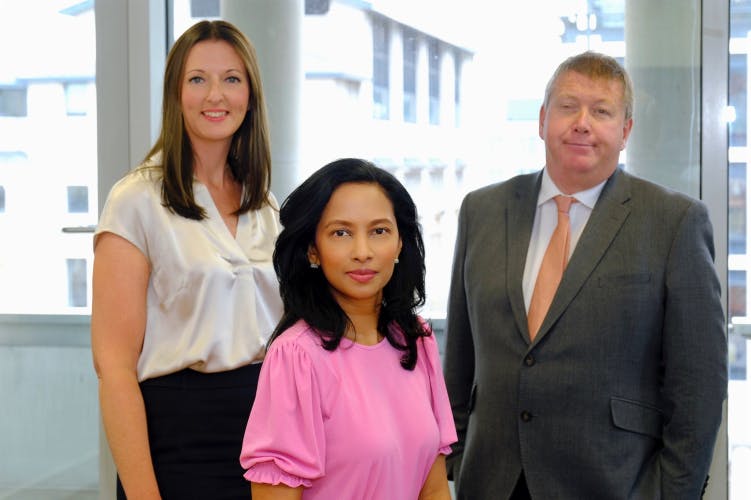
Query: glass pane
[[48, 183], [47, 148], [451, 102], [448, 104], [739, 333]]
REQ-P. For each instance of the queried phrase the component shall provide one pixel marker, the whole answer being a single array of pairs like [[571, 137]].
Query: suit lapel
[[608, 215], [520, 215]]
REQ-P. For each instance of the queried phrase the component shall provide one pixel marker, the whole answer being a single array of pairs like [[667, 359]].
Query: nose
[[215, 90], [581, 123], [361, 250]]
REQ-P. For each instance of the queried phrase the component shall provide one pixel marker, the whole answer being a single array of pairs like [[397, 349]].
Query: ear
[[626, 132], [313, 255], [400, 247], [541, 123]]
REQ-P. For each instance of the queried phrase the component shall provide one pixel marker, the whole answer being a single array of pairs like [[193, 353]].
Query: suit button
[[529, 360], [526, 416]]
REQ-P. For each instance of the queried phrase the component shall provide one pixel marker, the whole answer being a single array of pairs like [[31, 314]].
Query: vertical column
[[423, 81], [715, 56], [128, 85], [663, 52], [275, 29], [396, 73], [448, 87]]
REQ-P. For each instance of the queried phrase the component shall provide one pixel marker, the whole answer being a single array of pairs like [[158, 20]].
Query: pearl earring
[[313, 265], [396, 261]]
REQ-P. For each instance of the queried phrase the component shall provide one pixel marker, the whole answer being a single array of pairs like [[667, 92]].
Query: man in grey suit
[[618, 394]]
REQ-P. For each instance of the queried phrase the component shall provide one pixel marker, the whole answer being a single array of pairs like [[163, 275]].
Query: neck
[[364, 329], [210, 162]]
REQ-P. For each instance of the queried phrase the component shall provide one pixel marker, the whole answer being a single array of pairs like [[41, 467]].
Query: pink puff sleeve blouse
[[349, 423]]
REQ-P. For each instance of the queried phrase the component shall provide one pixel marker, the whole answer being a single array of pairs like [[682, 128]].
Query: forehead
[[213, 53], [356, 199], [574, 84]]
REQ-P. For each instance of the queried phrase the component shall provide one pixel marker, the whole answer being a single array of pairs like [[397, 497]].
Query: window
[[204, 8], [409, 42], [737, 208], [78, 199], [457, 88], [380, 69], [492, 141], [737, 98], [737, 344], [80, 98], [48, 141], [47, 132], [77, 287], [434, 65], [13, 101]]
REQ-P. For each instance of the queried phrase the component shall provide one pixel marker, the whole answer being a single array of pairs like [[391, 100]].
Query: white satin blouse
[[212, 300]]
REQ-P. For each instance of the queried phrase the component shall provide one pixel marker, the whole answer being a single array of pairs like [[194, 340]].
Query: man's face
[[584, 129]]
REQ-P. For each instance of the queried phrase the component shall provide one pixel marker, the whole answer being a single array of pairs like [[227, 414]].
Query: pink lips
[[361, 275], [215, 115]]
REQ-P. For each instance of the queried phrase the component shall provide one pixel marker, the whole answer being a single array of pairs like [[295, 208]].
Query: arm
[[459, 364], [436, 485], [694, 358], [118, 319], [261, 491]]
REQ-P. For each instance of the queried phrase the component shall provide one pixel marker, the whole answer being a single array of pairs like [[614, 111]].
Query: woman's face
[[356, 243], [215, 92]]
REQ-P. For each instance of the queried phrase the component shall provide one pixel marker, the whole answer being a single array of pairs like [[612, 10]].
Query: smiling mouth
[[215, 114]]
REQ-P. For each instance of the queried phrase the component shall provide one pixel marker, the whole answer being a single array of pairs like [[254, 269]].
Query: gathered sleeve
[[284, 440], [439, 395]]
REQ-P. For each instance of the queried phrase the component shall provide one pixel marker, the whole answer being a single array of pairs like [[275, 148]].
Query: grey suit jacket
[[620, 395]]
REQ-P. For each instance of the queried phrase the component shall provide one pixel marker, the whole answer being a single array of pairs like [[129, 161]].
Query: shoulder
[[651, 197], [140, 183], [298, 336], [299, 350], [499, 191], [273, 204], [429, 341]]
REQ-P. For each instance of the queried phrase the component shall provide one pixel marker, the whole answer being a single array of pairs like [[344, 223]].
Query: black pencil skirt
[[196, 422]]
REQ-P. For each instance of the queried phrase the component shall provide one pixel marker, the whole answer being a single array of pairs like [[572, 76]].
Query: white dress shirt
[[546, 219], [212, 299]]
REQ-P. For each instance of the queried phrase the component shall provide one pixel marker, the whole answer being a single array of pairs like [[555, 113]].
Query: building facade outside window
[[434, 76], [380, 69]]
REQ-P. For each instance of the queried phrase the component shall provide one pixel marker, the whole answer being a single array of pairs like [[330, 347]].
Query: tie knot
[[564, 202]]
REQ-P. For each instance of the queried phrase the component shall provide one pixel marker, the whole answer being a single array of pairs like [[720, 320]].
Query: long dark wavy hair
[[249, 156], [305, 291]]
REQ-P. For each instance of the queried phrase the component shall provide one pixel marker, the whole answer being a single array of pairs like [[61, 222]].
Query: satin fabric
[[212, 299]]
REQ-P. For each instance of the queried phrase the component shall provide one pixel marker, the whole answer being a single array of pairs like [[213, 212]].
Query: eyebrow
[[375, 222], [201, 70]]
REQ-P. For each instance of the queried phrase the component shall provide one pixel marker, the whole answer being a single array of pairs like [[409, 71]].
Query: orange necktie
[[551, 270]]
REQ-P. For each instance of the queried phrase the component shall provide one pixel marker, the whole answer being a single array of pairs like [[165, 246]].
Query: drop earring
[[313, 265]]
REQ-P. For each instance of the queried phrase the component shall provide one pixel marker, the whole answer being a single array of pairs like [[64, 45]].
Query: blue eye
[[195, 79], [233, 79]]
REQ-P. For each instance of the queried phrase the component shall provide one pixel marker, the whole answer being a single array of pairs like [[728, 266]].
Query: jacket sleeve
[[459, 364], [694, 356]]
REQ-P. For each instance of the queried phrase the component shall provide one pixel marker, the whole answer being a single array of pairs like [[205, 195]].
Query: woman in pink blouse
[[351, 402]]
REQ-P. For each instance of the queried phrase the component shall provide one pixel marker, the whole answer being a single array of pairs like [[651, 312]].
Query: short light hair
[[597, 67]]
